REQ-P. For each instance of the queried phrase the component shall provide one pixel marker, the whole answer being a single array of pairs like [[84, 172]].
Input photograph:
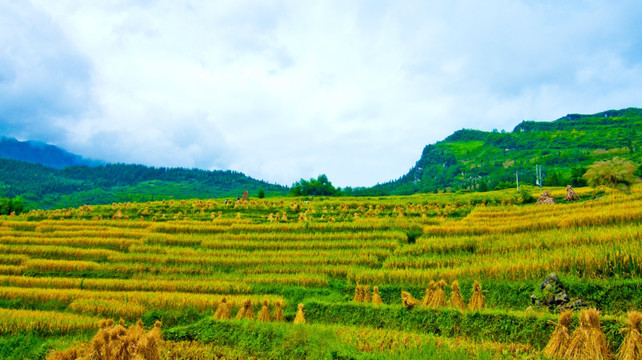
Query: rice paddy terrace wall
[[63, 271]]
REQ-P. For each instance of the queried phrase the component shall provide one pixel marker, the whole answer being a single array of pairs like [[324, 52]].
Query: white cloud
[[287, 89]]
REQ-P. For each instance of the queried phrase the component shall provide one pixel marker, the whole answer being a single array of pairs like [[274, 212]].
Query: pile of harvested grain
[[631, 348], [477, 301], [222, 310], [376, 297], [588, 340], [299, 318], [558, 344], [456, 300]]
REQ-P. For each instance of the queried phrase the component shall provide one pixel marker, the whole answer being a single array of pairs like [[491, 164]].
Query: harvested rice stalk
[[558, 344], [299, 318], [631, 348], [358, 294], [570, 194], [222, 310], [366, 294], [376, 297], [428, 296], [477, 301], [408, 301], [588, 341], [264, 314], [456, 300], [246, 312], [439, 295], [278, 311]]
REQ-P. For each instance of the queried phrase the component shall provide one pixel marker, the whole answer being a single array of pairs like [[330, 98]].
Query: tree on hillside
[[615, 173], [320, 186]]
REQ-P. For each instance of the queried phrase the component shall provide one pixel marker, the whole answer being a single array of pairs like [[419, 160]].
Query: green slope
[[44, 187], [470, 159]]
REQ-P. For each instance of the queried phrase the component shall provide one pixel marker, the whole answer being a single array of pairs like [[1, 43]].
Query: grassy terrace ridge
[[62, 271]]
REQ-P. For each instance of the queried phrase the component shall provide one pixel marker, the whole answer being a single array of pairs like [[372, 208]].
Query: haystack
[[558, 344], [545, 198], [299, 318], [428, 296], [278, 311], [358, 294], [477, 301], [570, 194], [456, 300], [631, 348], [264, 314], [439, 295], [222, 310], [588, 340], [117, 342], [246, 312], [367, 298], [408, 301], [376, 297]]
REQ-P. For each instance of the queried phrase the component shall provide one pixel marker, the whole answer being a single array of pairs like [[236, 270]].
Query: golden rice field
[[63, 271]]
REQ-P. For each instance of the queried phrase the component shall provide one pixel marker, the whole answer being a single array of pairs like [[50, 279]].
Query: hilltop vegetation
[[62, 271], [44, 187], [477, 160]]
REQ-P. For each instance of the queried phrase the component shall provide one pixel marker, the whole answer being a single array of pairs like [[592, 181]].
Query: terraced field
[[63, 271]]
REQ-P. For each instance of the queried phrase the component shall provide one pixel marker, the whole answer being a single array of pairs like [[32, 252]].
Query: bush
[[614, 173]]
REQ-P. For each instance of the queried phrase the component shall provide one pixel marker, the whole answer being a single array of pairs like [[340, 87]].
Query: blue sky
[[283, 90]]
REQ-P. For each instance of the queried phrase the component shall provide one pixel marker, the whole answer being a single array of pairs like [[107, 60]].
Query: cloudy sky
[[283, 90]]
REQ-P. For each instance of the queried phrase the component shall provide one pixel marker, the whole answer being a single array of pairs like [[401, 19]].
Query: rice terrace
[[419, 276], [320, 180]]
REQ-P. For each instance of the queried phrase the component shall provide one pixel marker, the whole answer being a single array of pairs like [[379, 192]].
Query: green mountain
[[41, 153], [477, 160], [44, 187]]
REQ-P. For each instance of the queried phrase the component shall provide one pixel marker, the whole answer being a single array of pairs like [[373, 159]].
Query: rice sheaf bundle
[[428, 296], [477, 301], [631, 348], [264, 314], [408, 301], [278, 311], [299, 318], [561, 337], [222, 310], [456, 300], [439, 295], [588, 340], [358, 294], [376, 297], [366, 294], [246, 312]]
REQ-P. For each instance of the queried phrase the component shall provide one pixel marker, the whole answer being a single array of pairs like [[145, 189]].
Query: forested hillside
[[44, 187], [480, 160]]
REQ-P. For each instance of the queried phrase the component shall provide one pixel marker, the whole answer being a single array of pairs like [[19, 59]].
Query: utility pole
[[538, 175]]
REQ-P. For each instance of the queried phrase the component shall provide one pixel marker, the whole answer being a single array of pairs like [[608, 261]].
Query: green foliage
[[43, 187], [612, 173], [505, 185], [260, 194], [563, 148], [8, 206], [320, 186]]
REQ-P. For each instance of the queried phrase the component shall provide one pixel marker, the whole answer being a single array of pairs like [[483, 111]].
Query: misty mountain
[[40, 153]]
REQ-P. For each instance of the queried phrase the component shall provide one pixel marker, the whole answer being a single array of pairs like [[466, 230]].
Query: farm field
[[62, 272]]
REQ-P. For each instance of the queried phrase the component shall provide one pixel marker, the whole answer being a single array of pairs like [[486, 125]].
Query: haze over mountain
[[41, 153]]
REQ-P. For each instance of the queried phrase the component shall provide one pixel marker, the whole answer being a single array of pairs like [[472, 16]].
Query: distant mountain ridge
[[40, 153], [46, 176]]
